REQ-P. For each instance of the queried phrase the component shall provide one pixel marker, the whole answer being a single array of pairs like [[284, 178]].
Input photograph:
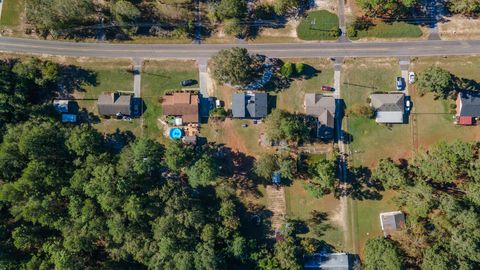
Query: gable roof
[[317, 104], [389, 107], [113, 103], [469, 104], [392, 221], [250, 105], [329, 261], [184, 105]]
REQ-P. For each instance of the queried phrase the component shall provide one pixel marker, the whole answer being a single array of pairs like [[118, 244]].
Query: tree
[[203, 172], [465, 7], [287, 70], [283, 6], [299, 68], [383, 8], [229, 9], [287, 254], [177, 155], [84, 140], [233, 27], [381, 253], [125, 14], [265, 165], [435, 79], [360, 110], [233, 66], [281, 125], [322, 178], [389, 174]]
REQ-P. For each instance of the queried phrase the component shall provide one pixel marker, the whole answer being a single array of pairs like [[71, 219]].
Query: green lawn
[[159, 77], [300, 204], [11, 12], [319, 72], [390, 30], [318, 25]]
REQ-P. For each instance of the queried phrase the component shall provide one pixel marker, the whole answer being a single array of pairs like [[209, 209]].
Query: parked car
[[411, 77], [399, 83], [327, 88], [408, 105], [218, 103], [188, 82]]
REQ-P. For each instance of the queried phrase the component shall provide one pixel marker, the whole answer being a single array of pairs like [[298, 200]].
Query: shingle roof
[[392, 221], [114, 103], [316, 104], [470, 104], [331, 261], [389, 108], [184, 105], [250, 105]]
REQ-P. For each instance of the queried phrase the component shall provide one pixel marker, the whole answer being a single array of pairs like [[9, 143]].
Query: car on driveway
[[408, 105], [328, 88], [411, 77], [188, 82], [399, 83]]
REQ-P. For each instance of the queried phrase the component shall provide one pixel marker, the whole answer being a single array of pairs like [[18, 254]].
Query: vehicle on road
[[328, 88], [411, 77], [399, 83], [188, 82]]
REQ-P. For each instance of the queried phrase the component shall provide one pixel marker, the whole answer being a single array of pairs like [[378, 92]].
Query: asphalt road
[[193, 51]]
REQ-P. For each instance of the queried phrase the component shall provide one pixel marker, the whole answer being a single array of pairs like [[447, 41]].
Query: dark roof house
[[250, 105], [329, 261], [389, 107], [184, 105], [392, 221], [114, 104], [322, 107], [468, 107]]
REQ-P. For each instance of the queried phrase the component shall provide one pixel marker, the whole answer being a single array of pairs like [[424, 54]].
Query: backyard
[[159, 77]]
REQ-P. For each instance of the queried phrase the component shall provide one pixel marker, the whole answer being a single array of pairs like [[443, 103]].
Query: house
[[389, 107], [68, 109], [182, 105], [323, 108], [109, 103], [329, 261], [468, 108], [250, 105], [392, 222]]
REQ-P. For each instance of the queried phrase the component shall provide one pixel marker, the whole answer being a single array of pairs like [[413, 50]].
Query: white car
[[411, 77], [408, 105]]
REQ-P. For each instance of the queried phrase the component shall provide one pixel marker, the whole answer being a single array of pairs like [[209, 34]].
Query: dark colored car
[[328, 88], [188, 82]]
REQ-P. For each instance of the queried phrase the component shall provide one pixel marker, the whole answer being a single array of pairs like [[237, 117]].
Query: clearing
[[459, 27]]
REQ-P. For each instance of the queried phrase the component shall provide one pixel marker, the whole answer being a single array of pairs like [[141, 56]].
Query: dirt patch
[[330, 5], [276, 204], [460, 27]]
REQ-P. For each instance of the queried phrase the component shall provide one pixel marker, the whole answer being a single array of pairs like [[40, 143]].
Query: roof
[[61, 106], [317, 104], [253, 105], [469, 104], [113, 103], [389, 107], [184, 105], [329, 261], [465, 120], [392, 221]]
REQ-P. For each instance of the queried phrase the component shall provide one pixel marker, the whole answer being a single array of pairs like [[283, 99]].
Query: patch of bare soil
[[460, 27], [330, 5], [277, 205]]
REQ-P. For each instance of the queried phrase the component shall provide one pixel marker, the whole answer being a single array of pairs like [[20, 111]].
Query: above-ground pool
[[176, 133]]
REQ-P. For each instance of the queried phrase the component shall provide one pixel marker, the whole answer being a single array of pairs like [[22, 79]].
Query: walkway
[[137, 71], [277, 205]]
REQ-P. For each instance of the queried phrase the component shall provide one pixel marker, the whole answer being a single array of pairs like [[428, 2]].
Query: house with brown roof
[[183, 105], [323, 108], [109, 103], [389, 107]]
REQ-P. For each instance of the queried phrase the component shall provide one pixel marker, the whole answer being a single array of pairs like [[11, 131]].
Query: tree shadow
[[318, 223], [119, 139], [75, 78], [360, 185]]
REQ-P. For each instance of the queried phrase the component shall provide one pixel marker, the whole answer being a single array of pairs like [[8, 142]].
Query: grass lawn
[[11, 12], [367, 222], [319, 72], [300, 204], [390, 30], [371, 141], [159, 77], [318, 25]]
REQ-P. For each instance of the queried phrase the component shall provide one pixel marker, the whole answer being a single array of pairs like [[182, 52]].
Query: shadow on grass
[[360, 186]]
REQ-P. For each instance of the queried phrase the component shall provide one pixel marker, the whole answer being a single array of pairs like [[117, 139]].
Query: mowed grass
[[318, 25], [159, 77], [12, 12], [300, 205], [369, 140], [366, 225], [319, 71], [390, 30]]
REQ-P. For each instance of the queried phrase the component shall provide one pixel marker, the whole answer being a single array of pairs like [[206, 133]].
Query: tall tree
[[381, 253], [233, 66]]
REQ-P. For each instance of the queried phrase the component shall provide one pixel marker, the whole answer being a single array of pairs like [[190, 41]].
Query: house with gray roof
[[468, 108], [323, 108], [329, 261], [389, 107], [114, 104], [392, 222], [250, 105]]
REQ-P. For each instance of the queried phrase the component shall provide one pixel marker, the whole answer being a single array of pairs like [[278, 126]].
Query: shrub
[[287, 70], [360, 110], [299, 67], [233, 27]]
